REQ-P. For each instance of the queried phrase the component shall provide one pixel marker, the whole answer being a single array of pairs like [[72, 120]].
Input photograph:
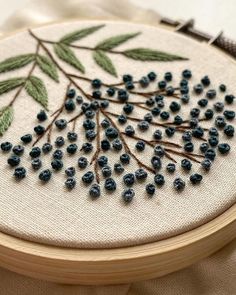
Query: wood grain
[[117, 266]]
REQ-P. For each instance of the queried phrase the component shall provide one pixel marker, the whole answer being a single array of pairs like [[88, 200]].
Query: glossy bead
[[72, 136], [105, 145], [229, 98], [111, 91], [171, 167], [144, 81], [95, 191], [129, 179], [205, 81], [72, 148], [229, 115], [152, 76], [6, 146], [122, 95], [110, 184], [210, 154], [20, 173], [35, 152], [128, 108], [96, 83], [106, 171], [198, 89], [224, 148], [206, 164], [186, 164], [204, 147], [88, 177], [220, 122], [70, 105], [18, 150], [46, 148], [202, 102], [196, 178], [36, 164], [159, 179], [185, 98], [168, 76], [102, 161], [27, 138], [170, 131], [87, 147], [45, 175], [174, 106], [141, 174], [129, 130], [70, 183], [211, 93], [156, 162], [13, 160], [189, 147], [111, 133], [213, 141], [42, 116], [159, 151], [71, 93], [70, 172], [117, 145], [187, 74], [187, 136], [118, 168], [82, 162], [179, 184], [125, 159], [58, 154], [150, 189], [128, 195], [229, 130], [209, 114], [61, 124], [157, 134], [60, 141], [57, 164], [39, 130]]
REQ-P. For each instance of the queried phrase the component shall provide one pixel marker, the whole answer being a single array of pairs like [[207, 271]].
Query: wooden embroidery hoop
[[120, 265]]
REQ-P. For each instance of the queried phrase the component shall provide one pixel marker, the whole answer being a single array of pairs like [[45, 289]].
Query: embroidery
[[120, 130]]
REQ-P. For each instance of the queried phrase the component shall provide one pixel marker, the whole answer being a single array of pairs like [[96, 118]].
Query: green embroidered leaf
[[48, 67], [67, 55], [112, 42], [16, 62], [10, 84], [6, 117], [36, 88], [77, 35], [104, 62], [150, 54]]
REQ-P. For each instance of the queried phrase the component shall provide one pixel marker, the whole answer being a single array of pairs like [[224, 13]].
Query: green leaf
[[6, 117], [36, 88], [112, 42], [16, 62], [77, 35], [104, 62], [10, 84], [67, 55], [48, 67], [150, 54]]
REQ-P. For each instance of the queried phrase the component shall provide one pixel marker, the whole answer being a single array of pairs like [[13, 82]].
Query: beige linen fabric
[[214, 275], [71, 219]]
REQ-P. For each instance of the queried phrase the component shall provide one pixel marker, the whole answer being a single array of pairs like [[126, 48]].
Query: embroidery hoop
[[121, 265]]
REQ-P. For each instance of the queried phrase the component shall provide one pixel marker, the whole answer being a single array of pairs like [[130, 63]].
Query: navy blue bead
[[157, 134], [70, 105], [128, 195], [117, 145], [39, 130], [61, 124], [123, 95], [60, 141], [164, 115], [125, 159], [88, 177], [110, 184], [129, 85], [210, 154], [118, 168], [27, 138], [46, 148], [70, 172], [105, 123], [35, 152], [156, 162], [148, 117], [155, 111], [219, 106], [224, 148], [129, 130], [229, 130], [129, 179], [187, 136], [57, 164], [187, 74], [70, 183], [184, 90], [102, 161], [144, 81], [111, 91], [189, 147], [122, 119], [89, 114], [159, 150], [106, 171], [96, 83], [36, 164], [162, 84], [204, 147], [175, 106], [186, 164], [150, 189], [20, 173], [159, 179], [170, 90], [72, 136], [90, 135], [229, 98], [198, 132], [72, 148], [170, 131], [206, 164], [183, 83], [128, 108], [152, 76], [82, 162], [170, 167], [42, 116], [150, 102], [111, 133], [105, 145], [229, 115], [196, 178], [179, 184], [104, 104], [58, 154], [6, 146], [87, 147], [185, 98], [141, 174], [213, 141], [13, 160], [95, 191], [45, 175], [71, 93], [18, 150], [213, 131]]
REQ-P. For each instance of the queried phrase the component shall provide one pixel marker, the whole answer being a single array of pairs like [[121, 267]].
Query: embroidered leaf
[[112, 42], [77, 35], [36, 88], [150, 54], [104, 62], [10, 84], [16, 62], [6, 117], [67, 55], [48, 67]]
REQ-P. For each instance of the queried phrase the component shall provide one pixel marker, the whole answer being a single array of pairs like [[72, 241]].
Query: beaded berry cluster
[[106, 130]]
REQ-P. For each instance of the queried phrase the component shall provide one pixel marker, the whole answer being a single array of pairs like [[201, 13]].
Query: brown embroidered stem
[[27, 78], [50, 126], [168, 156], [127, 149], [190, 156], [98, 150]]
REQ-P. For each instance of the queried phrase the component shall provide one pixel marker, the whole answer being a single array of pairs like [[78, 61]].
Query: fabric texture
[[71, 218]]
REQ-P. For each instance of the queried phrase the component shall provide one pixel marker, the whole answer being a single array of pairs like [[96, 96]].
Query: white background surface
[[210, 15]]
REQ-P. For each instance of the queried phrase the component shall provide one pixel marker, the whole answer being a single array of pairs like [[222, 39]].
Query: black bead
[[183, 83], [129, 85], [184, 90], [229, 98], [141, 174], [168, 76], [42, 116], [186, 164], [159, 150], [213, 141], [162, 84], [117, 145], [70, 105], [20, 173], [229, 130], [70, 183], [156, 162], [129, 130], [118, 168], [123, 95], [95, 191], [170, 90], [155, 111], [129, 179], [202, 102], [170, 167], [13, 161], [187, 136], [222, 87], [198, 89], [196, 178], [88, 177], [164, 115], [6, 146], [204, 147], [179, 184], [110, 184], [82, 162], [213, 131], [174, 106], [128, 195], [96, 83], [97, 94], [152, 76], [87, 147], [205, 81], [35, 152], [157, 134], [127, 78], [128, 108], [143, 125], [125, 159], [229, 115], [18, 150], [159, 179], [150, 102], [111, 91], [106, 171], [193, 122], [194, 112], [148, 117], [72, 136], [150, 189], [90, 135], [45, 175], [198, 132], [105, 145], [61, 124], [39, 130], [70, 172], [57, 164], [79, 99], [210, 154], [27, 138], [144, 81], [187, 74], [209, 114], [89, 114], [122, 119], [47, 147], [189, 147], [72, 148], [60, 141], [206, 164], [219, 106], [71, 93], [220, 122], [102, 161], [185, 98], [105, 124], [58, 154], [36, 164], [111, 133], [104, 104], [224, 148], [170, 131], [89, 124], [211, 93]]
